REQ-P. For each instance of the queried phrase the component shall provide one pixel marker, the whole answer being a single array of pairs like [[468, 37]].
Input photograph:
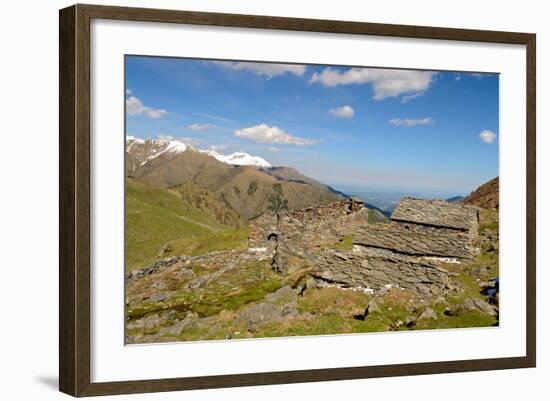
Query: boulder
[[428, 314], [374, 305], [259, 314], [284, 294]]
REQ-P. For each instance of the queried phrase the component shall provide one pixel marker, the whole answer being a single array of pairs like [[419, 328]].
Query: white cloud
[[342, 112], [182, 139], [411, 122], [200, 127], [487, 136], [135, 107], [128, 92], [219, 148], [408, 98], [163, 137], [385, 83], [189, 141], [264, 134], [478, 75], [268, 70], [154, 113], [272, 149]]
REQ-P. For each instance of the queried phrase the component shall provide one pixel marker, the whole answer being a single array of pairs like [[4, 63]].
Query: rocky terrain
[[328, 268]]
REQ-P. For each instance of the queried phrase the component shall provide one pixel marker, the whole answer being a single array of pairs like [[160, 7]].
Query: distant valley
[[386, 199]]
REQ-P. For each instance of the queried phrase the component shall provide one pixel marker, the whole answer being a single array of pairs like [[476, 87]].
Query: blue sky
[[344, 126]]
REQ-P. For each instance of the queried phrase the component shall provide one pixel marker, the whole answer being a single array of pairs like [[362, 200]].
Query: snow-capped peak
[[244, 159], [162, 146], [131, 141], [174, 147], [239, 159]]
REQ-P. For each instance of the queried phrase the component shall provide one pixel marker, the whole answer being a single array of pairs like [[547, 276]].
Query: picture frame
[[75, 200]]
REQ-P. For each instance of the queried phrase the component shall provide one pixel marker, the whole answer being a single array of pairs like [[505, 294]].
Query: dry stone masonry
[[415, 241], [407, 252], [375, 269], [296, 235], [437, 213]]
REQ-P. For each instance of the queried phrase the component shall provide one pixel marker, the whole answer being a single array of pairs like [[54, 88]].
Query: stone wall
[[312, 226], [416, 240], [296, 235], [374, 269], [263, 231]]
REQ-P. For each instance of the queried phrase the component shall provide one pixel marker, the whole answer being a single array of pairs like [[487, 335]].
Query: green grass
[[487, 261], [322, 311], [375, 217], [488, 220], [156, 218], [232, 239], [211, 306], [345, 242], [244, 284], [465, 319]]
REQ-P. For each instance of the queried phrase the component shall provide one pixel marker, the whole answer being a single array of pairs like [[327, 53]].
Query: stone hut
[[430, 228], [406, 252]]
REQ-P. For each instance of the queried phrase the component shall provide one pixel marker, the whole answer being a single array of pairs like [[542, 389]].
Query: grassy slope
[[208, 203], [156, 217], [332, 310], [324, 311]]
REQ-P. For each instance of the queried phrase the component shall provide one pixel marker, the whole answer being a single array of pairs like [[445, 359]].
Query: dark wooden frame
[[74, 199]]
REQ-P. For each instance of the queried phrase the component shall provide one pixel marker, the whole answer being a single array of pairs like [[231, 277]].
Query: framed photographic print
[[250, 200]]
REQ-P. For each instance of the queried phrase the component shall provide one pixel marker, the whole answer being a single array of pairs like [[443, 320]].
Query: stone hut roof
[[420, 241], [436, 213]]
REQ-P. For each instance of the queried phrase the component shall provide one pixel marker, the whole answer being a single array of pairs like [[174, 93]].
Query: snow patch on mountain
[[239, 159], [160, 146], [131, 141], [174, 147]]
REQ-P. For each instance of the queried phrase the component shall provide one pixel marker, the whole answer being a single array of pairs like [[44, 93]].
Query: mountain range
[[246, 184]]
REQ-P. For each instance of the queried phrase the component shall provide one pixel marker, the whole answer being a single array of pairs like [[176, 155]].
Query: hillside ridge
[[486, 195]]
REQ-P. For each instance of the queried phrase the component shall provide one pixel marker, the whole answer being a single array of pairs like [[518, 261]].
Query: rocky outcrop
[[277, 306], [224, 259]]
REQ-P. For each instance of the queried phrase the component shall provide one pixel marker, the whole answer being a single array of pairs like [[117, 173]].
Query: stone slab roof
[[436, 213], [418, 241]]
